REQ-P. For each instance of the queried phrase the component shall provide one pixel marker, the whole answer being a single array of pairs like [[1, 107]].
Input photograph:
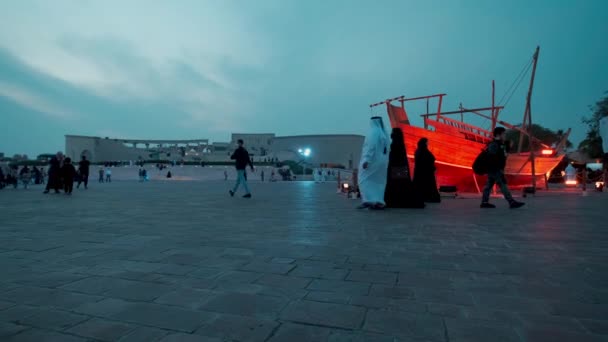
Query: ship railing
[[469, 132]]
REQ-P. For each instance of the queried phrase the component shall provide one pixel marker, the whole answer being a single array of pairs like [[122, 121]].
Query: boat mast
[[494, 110], [528, 118]]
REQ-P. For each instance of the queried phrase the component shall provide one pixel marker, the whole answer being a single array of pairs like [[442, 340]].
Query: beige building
[[342, 150]]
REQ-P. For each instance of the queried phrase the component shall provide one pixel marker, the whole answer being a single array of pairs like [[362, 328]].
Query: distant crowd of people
[[14, 176]]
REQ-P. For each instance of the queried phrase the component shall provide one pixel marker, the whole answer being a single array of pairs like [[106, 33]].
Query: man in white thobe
[[374, 165]]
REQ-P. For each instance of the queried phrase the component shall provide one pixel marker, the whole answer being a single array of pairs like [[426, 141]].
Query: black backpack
[[482, 162]]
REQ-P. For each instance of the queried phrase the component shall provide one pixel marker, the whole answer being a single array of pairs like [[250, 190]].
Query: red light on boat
[[547, 152], [571, 182]]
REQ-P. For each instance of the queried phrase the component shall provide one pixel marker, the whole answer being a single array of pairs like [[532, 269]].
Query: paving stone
[[557, 335], [104, 308], [232, 277], [419, 326], [275, 280], [346, 336], [144, 334], [245, 304], [346, 287], [238, 328], [319, 272], [175, 269], [51, 279], [100, 329], [291, 332], [378, 290], [579, 310], [97, 285], [38, 335], [473, 331], [282, 260], [186, 298], [9, 329], [599, 327], [372, 277], [163, 316], [53, 319], [268, 267], [138, 291], [328, 297], [181, 337], [325, 314], [17, 314], [5, 304], [514, 304]]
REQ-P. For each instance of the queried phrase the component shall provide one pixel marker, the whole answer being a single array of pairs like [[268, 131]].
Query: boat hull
[[454, 159]]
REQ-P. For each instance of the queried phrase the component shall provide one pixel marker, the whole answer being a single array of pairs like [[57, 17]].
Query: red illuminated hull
[[455, 155]]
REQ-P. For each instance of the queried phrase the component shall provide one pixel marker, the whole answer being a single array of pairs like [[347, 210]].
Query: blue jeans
[[496, 178], [240, 178]]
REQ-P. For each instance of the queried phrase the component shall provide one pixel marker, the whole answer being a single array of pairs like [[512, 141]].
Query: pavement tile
[[238, 328], [39, 335], [324, 314], [9, 329], [144, 334], [319, 272], [408, 325], [101, 329], [372, 277], [292, 332], [186, 298], [346, 287], [163, 316], [276, 280], [181, 337], [245, 304], [473, 331], [268, 267], [53, 319]]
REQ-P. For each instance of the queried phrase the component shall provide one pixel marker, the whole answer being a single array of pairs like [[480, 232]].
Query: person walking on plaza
[[68, 172], [83, 169], [241, 159], [262, 175], [374, 166], [225, 175], [26, 176], [108, 175], [100, 174], [496, 162], [424, 173], [54, 178], [400, 191]]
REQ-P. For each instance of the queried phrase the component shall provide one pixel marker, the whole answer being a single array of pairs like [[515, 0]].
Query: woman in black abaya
[[400, 191], [424, 173]]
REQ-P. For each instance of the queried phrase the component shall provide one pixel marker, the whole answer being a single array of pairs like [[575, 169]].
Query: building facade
[[343, 150]]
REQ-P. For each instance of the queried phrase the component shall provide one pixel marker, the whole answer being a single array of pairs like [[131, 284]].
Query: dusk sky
[[204, 69]]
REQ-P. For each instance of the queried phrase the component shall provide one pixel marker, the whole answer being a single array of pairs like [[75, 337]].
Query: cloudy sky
[[203, 69]]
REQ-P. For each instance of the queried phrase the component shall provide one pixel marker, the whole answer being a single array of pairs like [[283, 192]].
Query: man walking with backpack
[[496, 162], [242, 159]]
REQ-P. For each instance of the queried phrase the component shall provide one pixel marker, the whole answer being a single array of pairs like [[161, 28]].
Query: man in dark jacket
[[497, 160], [83, 171], [242, 159]]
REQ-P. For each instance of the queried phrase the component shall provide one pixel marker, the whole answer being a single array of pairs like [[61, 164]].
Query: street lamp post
[[305, 153]]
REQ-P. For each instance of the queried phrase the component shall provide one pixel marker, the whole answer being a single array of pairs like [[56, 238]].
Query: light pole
[[305, 153]]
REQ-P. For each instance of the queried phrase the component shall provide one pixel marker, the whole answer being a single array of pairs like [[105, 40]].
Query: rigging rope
[[516, 83]]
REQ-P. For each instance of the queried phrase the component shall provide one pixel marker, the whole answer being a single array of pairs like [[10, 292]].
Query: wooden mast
[[528, 118]]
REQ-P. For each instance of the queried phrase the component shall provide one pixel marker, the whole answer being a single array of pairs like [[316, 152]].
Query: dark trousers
[[84, 178], [498, 178], [53, 183], [68, 185]]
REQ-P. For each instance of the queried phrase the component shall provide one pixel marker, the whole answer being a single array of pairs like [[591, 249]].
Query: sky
[[191, 69]]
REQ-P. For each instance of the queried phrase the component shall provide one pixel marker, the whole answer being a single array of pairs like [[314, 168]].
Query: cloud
[[33, 101]]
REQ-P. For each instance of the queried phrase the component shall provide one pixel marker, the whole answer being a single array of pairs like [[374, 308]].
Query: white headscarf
[[376, 148]]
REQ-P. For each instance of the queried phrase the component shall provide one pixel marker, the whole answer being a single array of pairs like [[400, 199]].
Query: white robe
[[372, 181], [604, 133]]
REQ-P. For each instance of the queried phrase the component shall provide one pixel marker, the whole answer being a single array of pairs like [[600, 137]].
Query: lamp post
[[305, 153]]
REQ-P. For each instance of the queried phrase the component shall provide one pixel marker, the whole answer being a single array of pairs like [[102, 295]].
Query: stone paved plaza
[[182, 261]]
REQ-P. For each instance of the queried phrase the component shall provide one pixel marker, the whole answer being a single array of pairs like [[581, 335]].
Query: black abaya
[[400, 192], [424, 173]]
